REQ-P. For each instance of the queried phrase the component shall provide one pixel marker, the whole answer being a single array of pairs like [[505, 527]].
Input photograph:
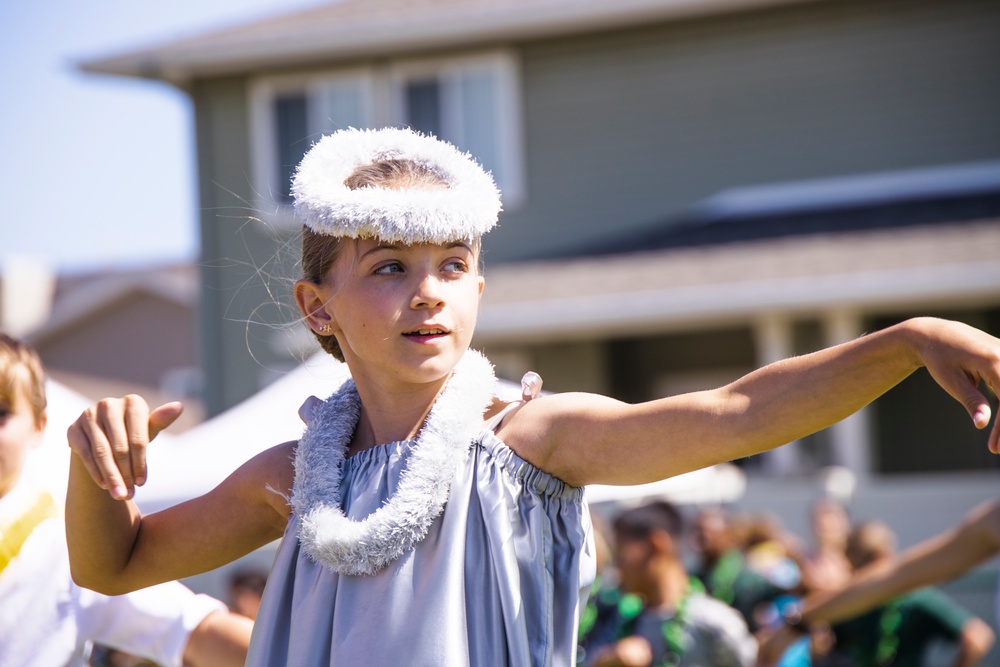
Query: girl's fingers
[[143, 426], [975, 403], [967, 393], [79, 442], [90, 442], [995, 437], [962, 358], [164, 416], [113, 454], [993, 383], [137, 434], [111, 440]]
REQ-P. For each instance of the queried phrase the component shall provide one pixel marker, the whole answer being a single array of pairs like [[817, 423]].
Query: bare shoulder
[[267, 477], [537, 429]]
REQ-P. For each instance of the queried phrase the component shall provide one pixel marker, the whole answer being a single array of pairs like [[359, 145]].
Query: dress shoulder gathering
[[498, 579]]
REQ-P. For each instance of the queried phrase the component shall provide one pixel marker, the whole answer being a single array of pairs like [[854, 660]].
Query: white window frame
[[382, 102], [503, 64], [262, 121]]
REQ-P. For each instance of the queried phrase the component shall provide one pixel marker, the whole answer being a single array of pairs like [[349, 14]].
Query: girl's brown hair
[[319, 251]]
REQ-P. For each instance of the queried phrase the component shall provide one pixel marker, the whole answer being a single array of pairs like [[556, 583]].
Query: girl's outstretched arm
[[586, 439], [114, 549]]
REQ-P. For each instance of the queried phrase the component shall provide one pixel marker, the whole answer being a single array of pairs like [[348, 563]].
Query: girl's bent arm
[[114, 549], [586, 439]]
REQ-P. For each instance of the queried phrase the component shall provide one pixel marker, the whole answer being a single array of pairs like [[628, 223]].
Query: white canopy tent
[[723, 483]]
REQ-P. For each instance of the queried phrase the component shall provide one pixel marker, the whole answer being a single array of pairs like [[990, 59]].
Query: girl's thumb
[[965, 390], [164, 416], [981, 414]]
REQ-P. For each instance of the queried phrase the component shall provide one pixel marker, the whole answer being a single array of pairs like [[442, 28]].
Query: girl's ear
[[312, 301]]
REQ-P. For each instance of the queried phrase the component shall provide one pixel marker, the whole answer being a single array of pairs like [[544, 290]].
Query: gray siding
[[628, 128], [242, 258]]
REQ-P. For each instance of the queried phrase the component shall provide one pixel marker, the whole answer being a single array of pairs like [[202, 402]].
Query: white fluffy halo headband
[[466, 209]]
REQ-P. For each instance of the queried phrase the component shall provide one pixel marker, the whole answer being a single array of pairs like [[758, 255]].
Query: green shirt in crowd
[[899, 633]]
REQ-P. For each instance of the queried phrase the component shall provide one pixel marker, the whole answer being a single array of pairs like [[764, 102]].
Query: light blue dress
[[500, 578]]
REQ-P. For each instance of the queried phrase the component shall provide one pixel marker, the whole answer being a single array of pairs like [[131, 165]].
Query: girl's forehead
[[366, 244], [366, 247], [354, 254]]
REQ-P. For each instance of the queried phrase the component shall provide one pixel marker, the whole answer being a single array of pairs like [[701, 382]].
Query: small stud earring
[[325, 328]]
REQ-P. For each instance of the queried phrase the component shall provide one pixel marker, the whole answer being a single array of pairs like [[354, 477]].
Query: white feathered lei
[[466, 209], [366, 546]]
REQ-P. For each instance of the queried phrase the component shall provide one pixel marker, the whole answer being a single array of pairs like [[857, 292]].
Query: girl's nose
[[429, 293]]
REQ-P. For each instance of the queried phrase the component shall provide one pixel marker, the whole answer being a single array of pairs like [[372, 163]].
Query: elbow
[[92, 580], [81, 577], [84, 580]]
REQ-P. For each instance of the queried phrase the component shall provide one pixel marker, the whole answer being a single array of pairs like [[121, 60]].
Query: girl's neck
[[392, 414]]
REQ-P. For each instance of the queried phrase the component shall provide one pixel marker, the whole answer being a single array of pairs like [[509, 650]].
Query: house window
[[422, 106], [472, 101], [290, 131]]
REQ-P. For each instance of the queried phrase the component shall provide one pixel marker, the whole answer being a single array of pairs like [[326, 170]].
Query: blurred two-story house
[[692, 188]]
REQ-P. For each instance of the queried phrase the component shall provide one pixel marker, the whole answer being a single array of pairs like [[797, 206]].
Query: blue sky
[[98, 171]]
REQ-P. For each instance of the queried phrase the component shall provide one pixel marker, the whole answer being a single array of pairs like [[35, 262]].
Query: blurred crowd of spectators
[[708, 588]]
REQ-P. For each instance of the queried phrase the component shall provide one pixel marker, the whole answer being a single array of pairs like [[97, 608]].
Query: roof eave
[[682, 309], [944, 265], [243, 49]]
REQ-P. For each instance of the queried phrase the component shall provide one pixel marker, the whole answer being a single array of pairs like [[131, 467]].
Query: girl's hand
[[959, 358], [110, 439]]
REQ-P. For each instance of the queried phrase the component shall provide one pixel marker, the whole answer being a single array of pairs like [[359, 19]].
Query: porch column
[[851, 438], [774, 342]]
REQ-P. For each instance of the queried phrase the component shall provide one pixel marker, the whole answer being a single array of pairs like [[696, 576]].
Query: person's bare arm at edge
[[114, 549], [587, 439], [220, 640], [933, 561]]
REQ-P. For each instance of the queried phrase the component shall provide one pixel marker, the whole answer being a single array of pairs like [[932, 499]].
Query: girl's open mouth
[[430, 333]]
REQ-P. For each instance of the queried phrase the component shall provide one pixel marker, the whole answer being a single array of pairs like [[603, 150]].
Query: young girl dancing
[[424, 521]]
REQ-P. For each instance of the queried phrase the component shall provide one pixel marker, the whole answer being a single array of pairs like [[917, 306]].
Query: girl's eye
[[387, 269], [456, 265]]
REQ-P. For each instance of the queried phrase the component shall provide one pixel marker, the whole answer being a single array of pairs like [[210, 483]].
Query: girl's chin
[[439, 365], [424, 369], [414, 363]]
